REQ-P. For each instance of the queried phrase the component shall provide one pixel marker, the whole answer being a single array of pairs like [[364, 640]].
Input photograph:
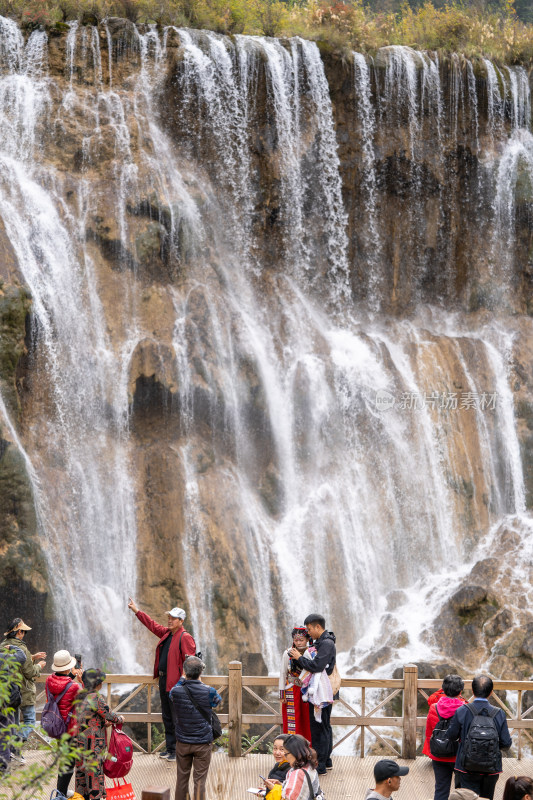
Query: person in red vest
[[174, 645]]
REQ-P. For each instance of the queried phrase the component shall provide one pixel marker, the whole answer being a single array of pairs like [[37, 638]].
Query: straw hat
[[21, 626]]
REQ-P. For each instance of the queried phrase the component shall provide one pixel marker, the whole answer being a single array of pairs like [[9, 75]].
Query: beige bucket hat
[[464, 794], [63, 661]]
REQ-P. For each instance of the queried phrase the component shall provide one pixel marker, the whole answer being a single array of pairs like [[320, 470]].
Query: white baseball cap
[[177, 613]]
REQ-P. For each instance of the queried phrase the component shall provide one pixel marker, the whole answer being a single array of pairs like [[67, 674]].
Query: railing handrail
[[238, 685], [272, 680]]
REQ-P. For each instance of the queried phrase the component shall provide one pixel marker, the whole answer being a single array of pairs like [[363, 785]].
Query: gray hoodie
[[373, 795]]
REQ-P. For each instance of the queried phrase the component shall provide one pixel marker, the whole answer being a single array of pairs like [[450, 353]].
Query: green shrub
[[339, 25]]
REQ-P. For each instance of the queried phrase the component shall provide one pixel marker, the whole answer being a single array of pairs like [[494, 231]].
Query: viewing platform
[[371, 712], [229, 778]]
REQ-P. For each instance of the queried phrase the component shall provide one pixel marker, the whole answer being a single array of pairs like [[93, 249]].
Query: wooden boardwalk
[[229, 778]]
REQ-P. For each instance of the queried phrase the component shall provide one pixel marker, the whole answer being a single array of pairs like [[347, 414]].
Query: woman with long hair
[[302, 781], [518, 788]]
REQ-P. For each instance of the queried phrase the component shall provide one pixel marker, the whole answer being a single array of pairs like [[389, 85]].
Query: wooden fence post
[[155, 793], [410, 696], [235, 709]]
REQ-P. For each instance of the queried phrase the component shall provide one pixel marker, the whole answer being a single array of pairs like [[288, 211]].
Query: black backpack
[[439, 746], [481, 750]]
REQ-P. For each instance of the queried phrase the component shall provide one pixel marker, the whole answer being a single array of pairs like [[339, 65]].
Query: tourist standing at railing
[[324, 642], [294, 711], [442, 707], [30, 669], [174, 645], [193, 702], [483, 734]]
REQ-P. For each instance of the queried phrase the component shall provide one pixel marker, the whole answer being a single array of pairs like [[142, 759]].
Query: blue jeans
[[28, 715]]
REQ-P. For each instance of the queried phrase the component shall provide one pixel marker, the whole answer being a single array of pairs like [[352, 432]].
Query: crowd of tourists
[[464, 740]]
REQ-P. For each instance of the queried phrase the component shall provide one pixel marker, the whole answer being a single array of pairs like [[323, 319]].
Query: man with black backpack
[[483, 734]]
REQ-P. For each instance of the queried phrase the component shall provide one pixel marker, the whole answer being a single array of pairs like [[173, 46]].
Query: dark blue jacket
[[191, 727], [460, 724]]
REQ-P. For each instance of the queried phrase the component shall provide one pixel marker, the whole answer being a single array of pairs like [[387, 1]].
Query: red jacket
[[176, 653], [446, 707], [55, 685]]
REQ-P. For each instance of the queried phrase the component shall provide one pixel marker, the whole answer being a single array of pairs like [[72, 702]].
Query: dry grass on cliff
[[339, 25]]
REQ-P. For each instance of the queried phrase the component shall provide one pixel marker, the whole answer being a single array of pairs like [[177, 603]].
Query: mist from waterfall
[[368, 422]]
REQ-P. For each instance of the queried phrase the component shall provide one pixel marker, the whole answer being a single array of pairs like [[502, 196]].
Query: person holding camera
[[31, 667], [65, 677]]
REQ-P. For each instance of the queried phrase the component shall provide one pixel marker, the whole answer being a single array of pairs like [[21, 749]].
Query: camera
[[78, 658]]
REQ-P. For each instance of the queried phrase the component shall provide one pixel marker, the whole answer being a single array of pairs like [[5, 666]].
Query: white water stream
[[361, 489]]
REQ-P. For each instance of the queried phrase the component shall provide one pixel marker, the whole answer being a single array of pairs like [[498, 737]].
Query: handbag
[[335, 680], [312, 796], [212, 720], [120, 791]]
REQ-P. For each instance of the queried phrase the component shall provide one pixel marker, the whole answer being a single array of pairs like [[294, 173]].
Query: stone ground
[[350, 778]]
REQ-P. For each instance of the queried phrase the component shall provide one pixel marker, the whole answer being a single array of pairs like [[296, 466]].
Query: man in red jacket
[[174, 645]]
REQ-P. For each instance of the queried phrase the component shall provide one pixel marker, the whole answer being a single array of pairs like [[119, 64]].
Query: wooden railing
[[234, 686]]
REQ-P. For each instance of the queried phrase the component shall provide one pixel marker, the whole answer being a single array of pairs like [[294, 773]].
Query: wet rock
[[527, 643], [15, 307], [499, 623], [386, 748], [23, 570], [377, 659], [153, 383], [469, 599], [395, 599]]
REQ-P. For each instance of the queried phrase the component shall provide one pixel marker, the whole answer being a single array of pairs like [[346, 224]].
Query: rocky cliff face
[[201, 296]]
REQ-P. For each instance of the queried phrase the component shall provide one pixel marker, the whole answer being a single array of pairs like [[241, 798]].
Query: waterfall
[[367, 121], [229, 415]]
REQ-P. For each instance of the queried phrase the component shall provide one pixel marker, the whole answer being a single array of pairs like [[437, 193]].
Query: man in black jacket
[[466, 774], [324, 642]]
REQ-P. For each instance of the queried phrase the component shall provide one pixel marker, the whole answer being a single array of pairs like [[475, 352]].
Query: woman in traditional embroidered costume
[[294, 711]]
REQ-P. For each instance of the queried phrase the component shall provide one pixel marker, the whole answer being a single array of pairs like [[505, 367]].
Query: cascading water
[[196, 319]]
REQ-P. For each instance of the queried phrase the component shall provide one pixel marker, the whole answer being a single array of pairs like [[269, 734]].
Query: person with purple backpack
[[63, 685]]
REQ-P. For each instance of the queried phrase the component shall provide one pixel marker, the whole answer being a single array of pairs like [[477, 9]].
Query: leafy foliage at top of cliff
[[498, 29]]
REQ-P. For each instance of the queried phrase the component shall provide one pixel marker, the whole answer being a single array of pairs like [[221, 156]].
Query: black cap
[[387, 768]]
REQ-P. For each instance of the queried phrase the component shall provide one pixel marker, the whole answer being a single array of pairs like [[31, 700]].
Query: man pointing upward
[[174, 645]]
